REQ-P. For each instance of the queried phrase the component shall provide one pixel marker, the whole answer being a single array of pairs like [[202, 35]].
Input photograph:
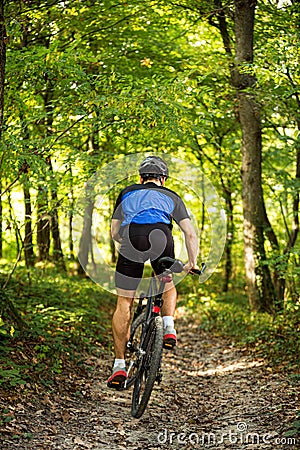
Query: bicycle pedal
[[166, 345], [169, 344], [117, 381], [118, 385]]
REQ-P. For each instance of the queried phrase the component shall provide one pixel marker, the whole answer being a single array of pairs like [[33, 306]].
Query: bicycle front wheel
[[149, 367]]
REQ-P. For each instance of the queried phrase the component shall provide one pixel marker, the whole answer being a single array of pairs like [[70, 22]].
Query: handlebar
[[198, 271], [176, 266]]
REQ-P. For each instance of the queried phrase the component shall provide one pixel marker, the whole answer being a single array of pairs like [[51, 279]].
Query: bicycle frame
[[154, 298], [154, 303]]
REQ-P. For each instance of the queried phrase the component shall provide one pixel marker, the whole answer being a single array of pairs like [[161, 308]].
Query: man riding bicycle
[[142, 224]]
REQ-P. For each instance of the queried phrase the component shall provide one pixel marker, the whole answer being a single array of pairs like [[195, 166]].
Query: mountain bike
[[145, 345]]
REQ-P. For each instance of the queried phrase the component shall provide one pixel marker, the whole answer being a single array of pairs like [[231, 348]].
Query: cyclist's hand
[[189, 267]]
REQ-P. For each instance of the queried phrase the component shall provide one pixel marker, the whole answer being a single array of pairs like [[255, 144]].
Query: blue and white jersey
[[149, 204]]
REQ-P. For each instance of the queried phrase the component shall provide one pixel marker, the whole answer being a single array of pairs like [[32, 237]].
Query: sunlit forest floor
[[234, 374]]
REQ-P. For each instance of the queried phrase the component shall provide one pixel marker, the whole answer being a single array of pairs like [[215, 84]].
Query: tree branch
[[23, 169]]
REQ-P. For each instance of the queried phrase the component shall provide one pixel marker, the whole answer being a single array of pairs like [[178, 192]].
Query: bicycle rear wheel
[[132, 349], [149, 366]]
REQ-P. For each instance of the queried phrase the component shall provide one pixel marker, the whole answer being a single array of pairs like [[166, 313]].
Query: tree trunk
[[1, 222], [71, 215], [13, 224], [28, 245], [3, 38], [71, 245], [85, 244], [259, 283], [43, 226], [57, 248], [112, 201], [229, 239]]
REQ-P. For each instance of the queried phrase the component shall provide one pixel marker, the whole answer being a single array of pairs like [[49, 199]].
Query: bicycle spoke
[[133, 350]]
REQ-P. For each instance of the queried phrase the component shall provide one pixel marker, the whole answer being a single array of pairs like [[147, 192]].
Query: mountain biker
[[142, 224]]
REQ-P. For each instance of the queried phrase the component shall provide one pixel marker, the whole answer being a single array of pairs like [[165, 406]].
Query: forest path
[[212, 396]]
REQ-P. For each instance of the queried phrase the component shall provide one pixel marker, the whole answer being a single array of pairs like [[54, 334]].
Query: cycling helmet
[[155, 166]]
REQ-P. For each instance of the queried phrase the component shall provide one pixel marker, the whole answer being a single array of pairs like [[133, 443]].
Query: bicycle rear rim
[[131, 358], [149, 367]]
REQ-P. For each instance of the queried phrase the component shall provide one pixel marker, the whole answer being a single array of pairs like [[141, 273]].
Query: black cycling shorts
[[140, 243]]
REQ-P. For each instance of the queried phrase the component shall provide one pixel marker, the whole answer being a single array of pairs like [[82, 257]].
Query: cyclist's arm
[[115, 228], [191, 242]]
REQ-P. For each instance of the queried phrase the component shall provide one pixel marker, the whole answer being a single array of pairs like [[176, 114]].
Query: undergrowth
[[68, 317], [274, 338], [65, 317]]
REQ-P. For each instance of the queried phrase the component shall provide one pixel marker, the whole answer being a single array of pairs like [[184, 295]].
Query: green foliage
[[274, 338], [67, 317], [294, 431], [12, 377], [154, 77], [144, 77]]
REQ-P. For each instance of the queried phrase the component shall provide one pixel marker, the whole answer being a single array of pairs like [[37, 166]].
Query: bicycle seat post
[[158, 300], [165, 277]]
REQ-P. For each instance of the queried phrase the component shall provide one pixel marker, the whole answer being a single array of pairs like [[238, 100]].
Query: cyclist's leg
[[129, 271], [168, 311], [120, 329], [127, 277], [121, 321], [170, 299]]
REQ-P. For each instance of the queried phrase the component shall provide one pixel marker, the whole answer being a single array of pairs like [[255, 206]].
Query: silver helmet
[[154, 165]]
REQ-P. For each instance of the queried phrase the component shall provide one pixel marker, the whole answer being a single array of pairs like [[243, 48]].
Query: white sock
[[168, 321], [119, 362]]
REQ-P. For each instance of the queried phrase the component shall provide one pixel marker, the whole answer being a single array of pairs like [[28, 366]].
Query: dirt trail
[[212, 396]]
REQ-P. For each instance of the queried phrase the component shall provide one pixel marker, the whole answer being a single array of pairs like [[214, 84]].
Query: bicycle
[[145, 345]]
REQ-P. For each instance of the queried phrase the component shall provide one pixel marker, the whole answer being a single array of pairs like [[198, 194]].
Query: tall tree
[[259, 283], [142, 82], [3, 38], [85, 243], [43, 224], [28, 244]]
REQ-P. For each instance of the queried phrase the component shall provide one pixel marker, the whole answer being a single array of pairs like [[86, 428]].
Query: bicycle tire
[[135, 337], [149, 366]]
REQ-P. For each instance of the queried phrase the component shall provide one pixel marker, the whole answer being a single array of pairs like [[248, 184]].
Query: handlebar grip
[[198, 271]]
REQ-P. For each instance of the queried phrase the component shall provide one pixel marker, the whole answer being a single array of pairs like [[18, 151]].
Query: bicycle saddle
[[167, 263]]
